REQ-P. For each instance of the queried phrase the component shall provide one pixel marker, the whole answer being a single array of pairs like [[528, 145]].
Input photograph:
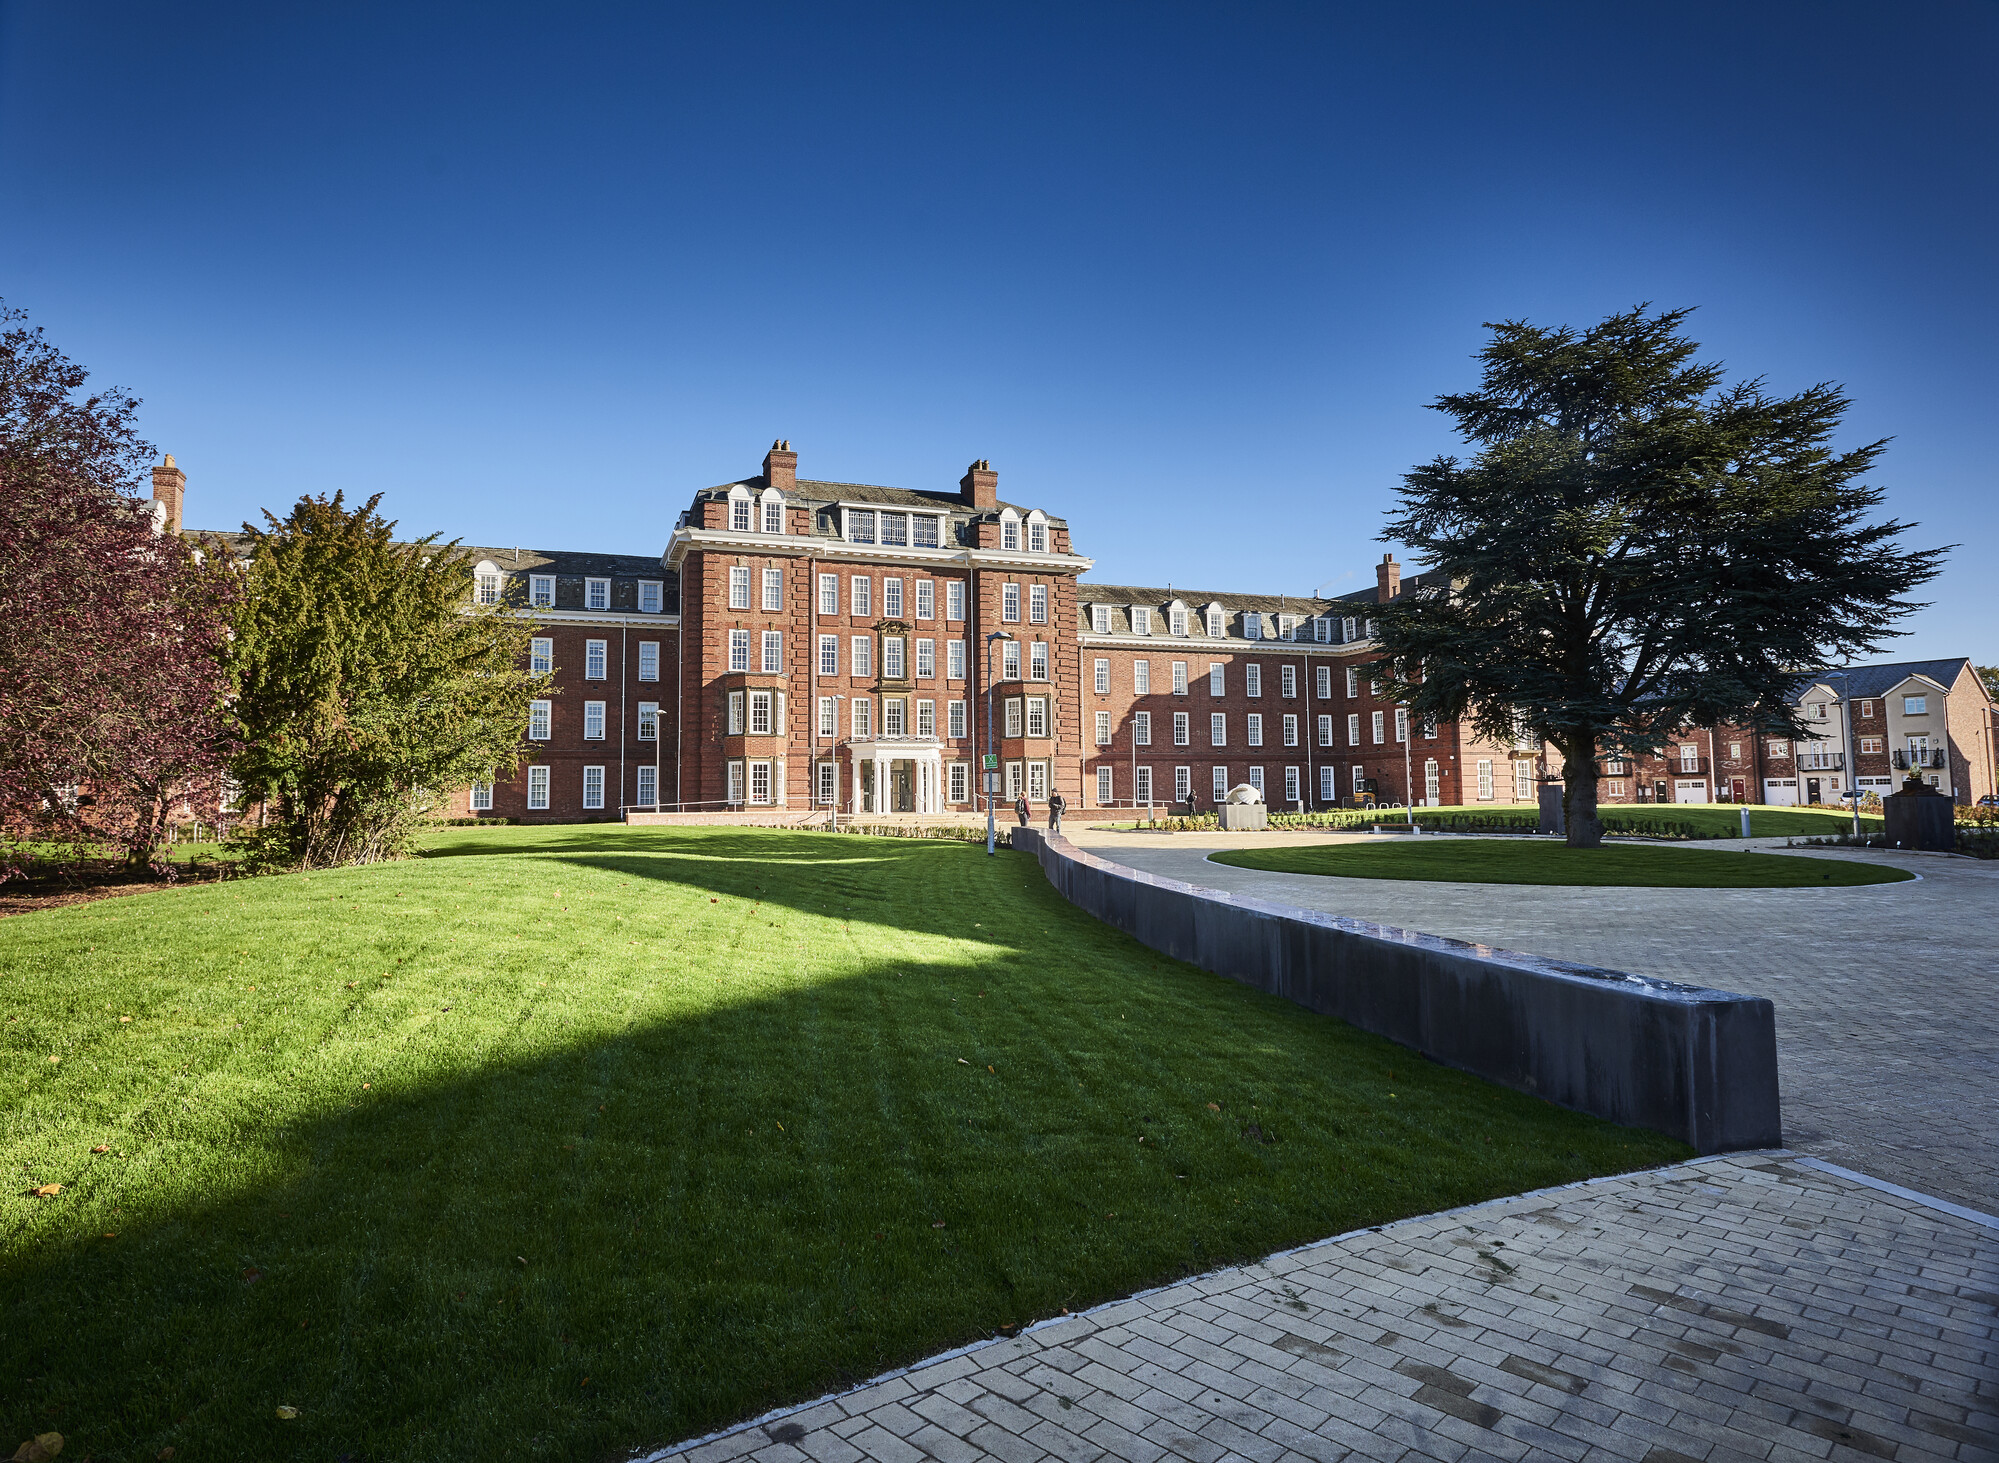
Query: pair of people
[[1057, 806]]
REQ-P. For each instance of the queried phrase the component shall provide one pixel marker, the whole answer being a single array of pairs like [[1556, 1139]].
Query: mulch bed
[[95, 881]]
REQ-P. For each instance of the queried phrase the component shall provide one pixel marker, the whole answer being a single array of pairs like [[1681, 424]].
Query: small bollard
[[1745, 822]]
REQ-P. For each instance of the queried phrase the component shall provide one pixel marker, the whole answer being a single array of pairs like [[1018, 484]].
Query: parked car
[[1990, 800]]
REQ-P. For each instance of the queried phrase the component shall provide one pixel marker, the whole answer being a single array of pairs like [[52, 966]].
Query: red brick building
[[802, 644]]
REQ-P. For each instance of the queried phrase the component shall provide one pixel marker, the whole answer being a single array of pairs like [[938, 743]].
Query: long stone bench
[[1700, 1065]]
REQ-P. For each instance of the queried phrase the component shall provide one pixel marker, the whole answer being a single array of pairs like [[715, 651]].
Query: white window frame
[[1218, 681], [1290, 729], [537, 789], [541, 655], [1252, 680], [652, 596], [1037, 717], [541, 720], [958, 783], [1292, 789], [893, 666], [593, 787], [1103, 728], [481, 797], [892, 596], [773, 652], [1141, 728], [1037, 661], [593, 721], [954, 599], [1141, 620], [739, 586], [829, 594], [596, 659], [1141, 677], [861, 657], [1353, 729], [773, 596], [596, 594], [954, 660], [1379, 727], [1287, 681], [1010, 660], [761, 780], [1141, 787], [1010, 604], [926, 659], [1037, 604], [1100, 619], [739, 650], [1106, 787], [1183, 735], [926, 599], [1218, 728], [1252, 733], [1102, 680], [648, 660], [829, 655], [1353, 682], [1329, 782], [861, 596], [954, 720], [648, 728]]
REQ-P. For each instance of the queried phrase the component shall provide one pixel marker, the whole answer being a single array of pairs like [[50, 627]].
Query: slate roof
[[569, 566], [1870, 681], [810, 491]]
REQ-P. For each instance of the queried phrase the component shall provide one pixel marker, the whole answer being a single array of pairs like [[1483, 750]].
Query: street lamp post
[[1852, 761], [836, 762], [1408, 767], [991, 770]]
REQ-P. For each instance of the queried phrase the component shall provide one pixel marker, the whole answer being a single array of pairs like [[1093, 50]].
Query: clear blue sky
[[1186, 274]]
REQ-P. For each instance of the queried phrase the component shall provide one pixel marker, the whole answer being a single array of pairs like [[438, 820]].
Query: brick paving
[[1887, 995], [1746, 1307]]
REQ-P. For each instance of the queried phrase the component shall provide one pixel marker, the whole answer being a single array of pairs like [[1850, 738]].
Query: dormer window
[[649, 596], [1141, 620], [541, 591], [895, 529], [1010, 535], [773, 515], [1252, 625], [860, 526], [1347, 628], [1176, 618], [1322, 630], [596, 594], [1037, 538], [1215, 621], [1370, 629], [739, 515], [923, 530], [1100, 619], [1287, 627], [486, 588]]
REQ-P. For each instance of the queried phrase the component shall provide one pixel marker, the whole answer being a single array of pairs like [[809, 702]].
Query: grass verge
[[563, 1142], [1640, 820], [1521, 861]]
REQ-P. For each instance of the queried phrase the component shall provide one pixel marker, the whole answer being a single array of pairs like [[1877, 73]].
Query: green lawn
[[563, 1142], [1525, 861]]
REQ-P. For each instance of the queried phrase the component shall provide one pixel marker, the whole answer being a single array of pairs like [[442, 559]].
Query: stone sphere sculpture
[[1244, 793]]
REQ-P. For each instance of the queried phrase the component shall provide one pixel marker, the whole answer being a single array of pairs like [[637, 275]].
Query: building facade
[[802, 645]]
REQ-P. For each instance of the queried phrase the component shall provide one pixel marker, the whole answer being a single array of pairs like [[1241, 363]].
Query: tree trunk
[[1585, 829]]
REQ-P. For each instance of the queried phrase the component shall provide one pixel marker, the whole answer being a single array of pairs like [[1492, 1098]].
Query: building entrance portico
[[898, 775]]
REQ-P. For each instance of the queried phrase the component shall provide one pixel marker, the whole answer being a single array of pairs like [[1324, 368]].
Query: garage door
[[1780, 792], [1690, 792]]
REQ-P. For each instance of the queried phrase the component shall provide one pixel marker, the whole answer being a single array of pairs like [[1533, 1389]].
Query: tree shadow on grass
[[614, 1212]]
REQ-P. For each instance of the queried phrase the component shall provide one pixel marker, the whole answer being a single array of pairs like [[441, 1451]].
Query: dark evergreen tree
[[368, 682], [1635, 546]]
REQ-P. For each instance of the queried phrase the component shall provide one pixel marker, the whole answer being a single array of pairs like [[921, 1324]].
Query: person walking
[[1020, 809], [1057, 806]]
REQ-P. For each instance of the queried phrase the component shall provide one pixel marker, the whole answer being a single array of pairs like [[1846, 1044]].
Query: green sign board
[[991, 763]]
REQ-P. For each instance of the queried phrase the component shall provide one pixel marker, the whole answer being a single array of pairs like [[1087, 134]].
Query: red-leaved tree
[[112, 689]]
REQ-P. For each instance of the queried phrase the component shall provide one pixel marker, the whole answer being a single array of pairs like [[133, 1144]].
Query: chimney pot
[[980, 485], [169, 494], [781, 466]]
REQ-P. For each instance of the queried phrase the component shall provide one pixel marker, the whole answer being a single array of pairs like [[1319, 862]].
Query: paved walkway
[[1887, 995], [1750, 1307]]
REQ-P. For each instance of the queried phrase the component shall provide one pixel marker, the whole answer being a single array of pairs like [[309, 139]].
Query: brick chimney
[[1387, 579], [169, 492], [781, 466], [980, 485]]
